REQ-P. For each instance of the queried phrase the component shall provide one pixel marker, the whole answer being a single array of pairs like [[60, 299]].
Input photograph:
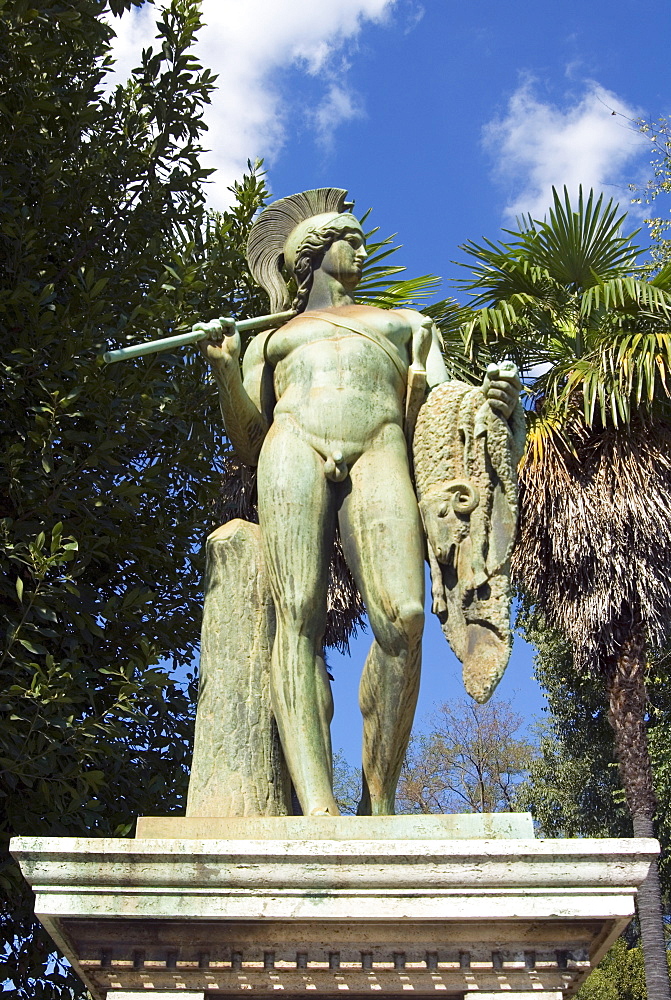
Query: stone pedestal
[[357, 905], [184, 995], [137, 995]]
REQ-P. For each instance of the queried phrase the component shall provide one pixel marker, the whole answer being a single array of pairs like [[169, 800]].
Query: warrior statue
[[325, 407]]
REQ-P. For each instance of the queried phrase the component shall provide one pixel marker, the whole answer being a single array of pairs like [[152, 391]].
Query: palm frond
[[450, 317], [529, 334], [561, 298], [571, 251], [378, 287], [499, 273], [639, 360], [405, 294], [625, 371], [546, 435], [626, 293], [580, 247], [663, 278]]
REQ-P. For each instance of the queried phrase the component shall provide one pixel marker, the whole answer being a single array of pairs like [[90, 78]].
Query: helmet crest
[[270, 234]]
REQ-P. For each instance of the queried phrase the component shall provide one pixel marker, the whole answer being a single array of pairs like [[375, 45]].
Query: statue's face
[[344, 258]]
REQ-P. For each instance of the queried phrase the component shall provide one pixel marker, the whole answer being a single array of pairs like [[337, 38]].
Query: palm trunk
[[627, 703]]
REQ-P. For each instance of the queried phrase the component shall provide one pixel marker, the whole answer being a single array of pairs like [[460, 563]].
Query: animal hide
[[465, 459]]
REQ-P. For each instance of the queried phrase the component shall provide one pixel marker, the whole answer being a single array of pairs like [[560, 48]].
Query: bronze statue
[[325, 406]]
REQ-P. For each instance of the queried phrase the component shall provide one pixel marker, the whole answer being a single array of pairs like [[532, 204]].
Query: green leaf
[[33, 647]]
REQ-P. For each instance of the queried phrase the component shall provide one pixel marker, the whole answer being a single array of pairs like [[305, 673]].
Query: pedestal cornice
[[358, 915]]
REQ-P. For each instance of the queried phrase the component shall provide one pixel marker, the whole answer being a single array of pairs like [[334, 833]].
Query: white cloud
[[246, 42], [134, 32], [339, 105], [537, 145]]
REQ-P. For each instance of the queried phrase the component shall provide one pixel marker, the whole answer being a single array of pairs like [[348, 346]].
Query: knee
[[411, 620], [400, 631], [300, 614]]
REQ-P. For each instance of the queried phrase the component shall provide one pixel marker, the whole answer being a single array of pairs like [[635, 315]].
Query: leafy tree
[[619, 976], [346, 784], [659, 186], [472, 759], [108, 475], [595, 545], [573, 788]]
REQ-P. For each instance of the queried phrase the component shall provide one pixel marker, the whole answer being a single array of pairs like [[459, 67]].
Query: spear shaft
[[194, 335]]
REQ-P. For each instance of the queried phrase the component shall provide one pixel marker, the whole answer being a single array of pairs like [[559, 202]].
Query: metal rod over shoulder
[[194, 335]]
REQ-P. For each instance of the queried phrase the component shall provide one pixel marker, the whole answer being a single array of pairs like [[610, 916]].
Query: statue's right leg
[[297, 518]]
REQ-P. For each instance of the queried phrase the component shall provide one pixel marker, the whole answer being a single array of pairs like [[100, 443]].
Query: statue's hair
[[269, 234]]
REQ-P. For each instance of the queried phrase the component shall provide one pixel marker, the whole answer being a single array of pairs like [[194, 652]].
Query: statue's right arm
[[242, 404]]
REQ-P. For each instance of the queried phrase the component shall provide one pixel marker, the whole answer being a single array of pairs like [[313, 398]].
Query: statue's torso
[[339, 386]]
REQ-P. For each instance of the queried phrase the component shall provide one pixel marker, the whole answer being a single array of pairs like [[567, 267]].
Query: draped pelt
[[465, 459]]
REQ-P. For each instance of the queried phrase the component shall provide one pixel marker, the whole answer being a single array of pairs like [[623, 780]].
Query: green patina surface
[[325, 407]]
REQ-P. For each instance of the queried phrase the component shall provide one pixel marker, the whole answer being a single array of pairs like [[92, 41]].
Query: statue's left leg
[[384, 547]]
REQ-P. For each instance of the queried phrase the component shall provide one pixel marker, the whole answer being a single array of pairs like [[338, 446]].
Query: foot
[[324, 811]]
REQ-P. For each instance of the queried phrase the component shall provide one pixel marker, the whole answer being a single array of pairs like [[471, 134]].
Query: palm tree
[[593, 342]]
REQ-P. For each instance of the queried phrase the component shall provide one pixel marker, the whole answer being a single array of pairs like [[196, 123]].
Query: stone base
[[125, 995], [464, 826], [370, 915], [135, 995], [189, 995]]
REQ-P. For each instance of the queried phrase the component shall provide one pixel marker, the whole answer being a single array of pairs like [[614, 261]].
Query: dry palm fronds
[[345, 607], [238, 491], [595, 537]]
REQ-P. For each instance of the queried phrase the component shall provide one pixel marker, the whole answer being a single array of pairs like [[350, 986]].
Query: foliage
[[561, 299], [594, 345], [346, 784], [377, 287], [619, 976], [107, 483], [658, 187], [573, 788], [472, 759]]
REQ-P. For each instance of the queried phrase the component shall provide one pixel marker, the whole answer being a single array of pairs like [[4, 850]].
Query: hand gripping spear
[[200, 331]]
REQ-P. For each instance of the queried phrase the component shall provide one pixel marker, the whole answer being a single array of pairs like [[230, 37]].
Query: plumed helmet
[[276, 237]]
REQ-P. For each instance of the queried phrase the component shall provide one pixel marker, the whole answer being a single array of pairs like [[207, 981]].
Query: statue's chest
[[341, 335]]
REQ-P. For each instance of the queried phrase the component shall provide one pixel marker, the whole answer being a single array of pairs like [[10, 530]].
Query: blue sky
[[447, 118]]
